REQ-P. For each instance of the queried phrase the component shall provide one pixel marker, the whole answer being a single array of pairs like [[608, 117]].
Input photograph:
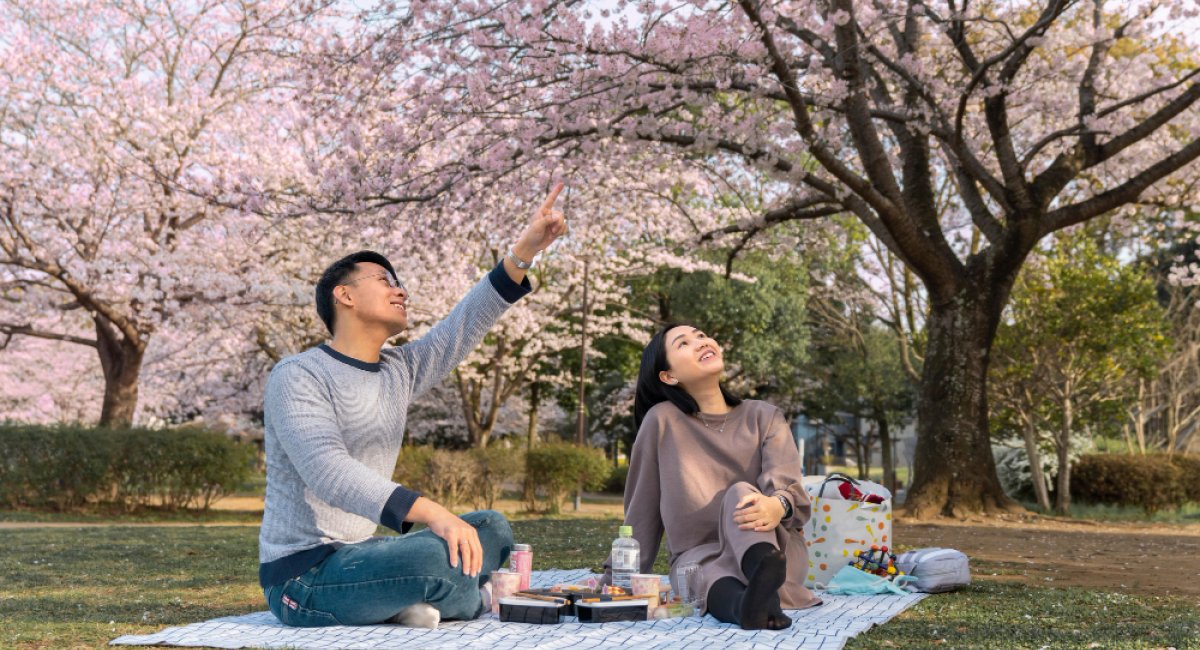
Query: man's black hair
[[336, 274], [651, 390]]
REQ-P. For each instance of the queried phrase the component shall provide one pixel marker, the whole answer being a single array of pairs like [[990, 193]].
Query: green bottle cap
[[625, 531]]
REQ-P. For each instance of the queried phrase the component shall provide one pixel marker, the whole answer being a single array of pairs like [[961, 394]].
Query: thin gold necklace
[[700, 416]]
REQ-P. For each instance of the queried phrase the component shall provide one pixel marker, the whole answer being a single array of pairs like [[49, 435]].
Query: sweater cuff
[[397, 507], [504, 285]]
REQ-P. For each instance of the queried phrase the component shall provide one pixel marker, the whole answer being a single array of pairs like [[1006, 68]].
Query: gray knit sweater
[[334, 425]]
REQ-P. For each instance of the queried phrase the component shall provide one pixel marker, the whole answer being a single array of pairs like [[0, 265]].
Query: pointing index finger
[[549, 204]]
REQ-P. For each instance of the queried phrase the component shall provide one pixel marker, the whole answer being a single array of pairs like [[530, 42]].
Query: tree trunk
[[534, 399], [469, 395], [885, 453], [1173, 423], [529, 491], [863, 456], [954, 468], [121, 361], [1029, 433], [1139, 424], [1062, 488]]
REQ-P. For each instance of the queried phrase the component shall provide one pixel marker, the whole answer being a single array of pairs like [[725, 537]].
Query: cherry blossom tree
[[1039, 114], [544, 325], [120, 123]]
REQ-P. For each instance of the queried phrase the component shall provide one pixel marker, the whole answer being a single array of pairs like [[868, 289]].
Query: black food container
[[611, 610], [528, 610]]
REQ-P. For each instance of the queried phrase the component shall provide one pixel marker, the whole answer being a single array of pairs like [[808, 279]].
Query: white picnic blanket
[[827, 627]]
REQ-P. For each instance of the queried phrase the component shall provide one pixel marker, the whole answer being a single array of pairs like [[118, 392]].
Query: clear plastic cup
[[504, 584], [683, 581]]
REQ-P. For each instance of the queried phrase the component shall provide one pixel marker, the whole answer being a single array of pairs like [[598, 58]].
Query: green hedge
[[495, 466], [1153, 482], [476, 476], [1189, 465], [615, 483], [65, 467], [557, 469], [451, 478]]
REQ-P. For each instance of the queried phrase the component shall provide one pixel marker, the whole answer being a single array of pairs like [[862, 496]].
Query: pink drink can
[[522, 562]]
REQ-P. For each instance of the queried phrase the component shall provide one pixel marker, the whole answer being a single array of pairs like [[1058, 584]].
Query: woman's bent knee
[[739, 490]]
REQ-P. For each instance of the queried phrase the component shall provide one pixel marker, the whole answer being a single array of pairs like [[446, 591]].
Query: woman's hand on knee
[[758, 512]]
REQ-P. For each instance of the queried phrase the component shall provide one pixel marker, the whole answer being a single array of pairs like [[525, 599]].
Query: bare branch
[[13, 329], [795, 212], [803, 122], [1126, 192], [880, 210], [1137, 99]]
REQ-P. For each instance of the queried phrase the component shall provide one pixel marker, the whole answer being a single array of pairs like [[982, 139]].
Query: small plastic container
[[611, 611], [528, 610], [674, 609]]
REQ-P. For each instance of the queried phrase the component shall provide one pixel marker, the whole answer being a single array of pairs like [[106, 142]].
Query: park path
[[1128, 557]]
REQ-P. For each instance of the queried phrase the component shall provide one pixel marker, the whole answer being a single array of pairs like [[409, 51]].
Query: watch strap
[[787, 506], [518, 262]]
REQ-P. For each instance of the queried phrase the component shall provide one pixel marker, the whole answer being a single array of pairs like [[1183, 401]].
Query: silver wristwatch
[[518, 262]]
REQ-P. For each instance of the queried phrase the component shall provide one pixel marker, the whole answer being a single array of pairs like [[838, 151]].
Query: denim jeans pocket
[[284, 601]]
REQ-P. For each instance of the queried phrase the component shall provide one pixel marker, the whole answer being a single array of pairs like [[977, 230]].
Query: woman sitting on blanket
[[721, 477]]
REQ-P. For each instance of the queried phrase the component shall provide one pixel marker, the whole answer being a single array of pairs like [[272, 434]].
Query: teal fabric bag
[[850, 581]]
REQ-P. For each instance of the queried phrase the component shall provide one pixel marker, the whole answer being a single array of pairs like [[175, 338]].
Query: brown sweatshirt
[[679, 471]]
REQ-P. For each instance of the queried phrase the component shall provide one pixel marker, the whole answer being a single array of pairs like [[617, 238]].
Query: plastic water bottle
[[626, 558]]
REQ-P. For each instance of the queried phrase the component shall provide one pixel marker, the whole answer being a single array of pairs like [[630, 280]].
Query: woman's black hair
[[651, 390]]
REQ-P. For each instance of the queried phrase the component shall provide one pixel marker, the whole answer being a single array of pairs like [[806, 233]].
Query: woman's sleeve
[[782, 470], [643, 495]]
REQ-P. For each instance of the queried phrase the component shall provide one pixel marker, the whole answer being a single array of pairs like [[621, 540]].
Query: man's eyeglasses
[[392, 282]]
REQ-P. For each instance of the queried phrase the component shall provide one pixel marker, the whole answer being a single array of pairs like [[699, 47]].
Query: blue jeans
[[367, 583]]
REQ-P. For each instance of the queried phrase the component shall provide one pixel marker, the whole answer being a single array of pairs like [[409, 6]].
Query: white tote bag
[[839, 527]]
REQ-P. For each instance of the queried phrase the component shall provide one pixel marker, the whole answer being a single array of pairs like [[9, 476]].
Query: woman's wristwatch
[[787, 506]]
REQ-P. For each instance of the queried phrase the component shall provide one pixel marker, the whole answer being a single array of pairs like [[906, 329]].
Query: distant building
[[835, 443]]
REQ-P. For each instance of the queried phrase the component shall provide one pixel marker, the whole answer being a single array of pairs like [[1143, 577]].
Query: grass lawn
[[81, 587], [1188, 513], [142, 516]]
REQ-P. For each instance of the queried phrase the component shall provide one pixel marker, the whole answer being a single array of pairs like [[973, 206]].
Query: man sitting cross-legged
[[335, 418]]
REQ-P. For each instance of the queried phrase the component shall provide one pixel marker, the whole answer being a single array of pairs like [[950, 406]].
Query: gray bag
[[936, 569]]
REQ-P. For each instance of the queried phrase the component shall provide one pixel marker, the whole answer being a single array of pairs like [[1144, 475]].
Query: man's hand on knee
[[462, 539]]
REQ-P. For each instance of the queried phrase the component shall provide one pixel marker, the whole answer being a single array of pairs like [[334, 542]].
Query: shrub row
[[477, 476], [556, 470], [1153, 482], [65, 467], [452, 477]]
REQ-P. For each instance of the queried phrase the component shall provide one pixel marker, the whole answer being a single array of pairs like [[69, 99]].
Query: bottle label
[[625, 559], [522, 563]]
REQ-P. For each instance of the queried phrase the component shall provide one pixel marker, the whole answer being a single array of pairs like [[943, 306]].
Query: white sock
[[485, 594], [418, 615]]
